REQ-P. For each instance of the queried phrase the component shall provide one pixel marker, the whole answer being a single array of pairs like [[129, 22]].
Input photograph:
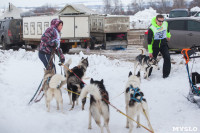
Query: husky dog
[[47, 76], [74, 78], [135, 103], [146, 64], [54, 91], [98, 103]]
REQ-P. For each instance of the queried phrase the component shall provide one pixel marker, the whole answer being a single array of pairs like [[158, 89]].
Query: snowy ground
[[21, 73]]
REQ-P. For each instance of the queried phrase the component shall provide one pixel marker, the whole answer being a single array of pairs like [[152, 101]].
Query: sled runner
[[194, 77]]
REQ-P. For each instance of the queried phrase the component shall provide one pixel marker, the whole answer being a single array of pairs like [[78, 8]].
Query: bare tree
[[140, 4], [116, 7], [152, 4], [179, 4], [137, 5], [129, 10], [163, 6], [121, 9], [45, 9], [195, 3], [107, 6]]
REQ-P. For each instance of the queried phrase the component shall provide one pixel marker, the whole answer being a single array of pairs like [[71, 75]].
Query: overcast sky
[[37, 3]]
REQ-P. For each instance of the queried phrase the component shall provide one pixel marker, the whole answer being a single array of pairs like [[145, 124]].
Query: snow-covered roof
[[76, 9], [12, 11]]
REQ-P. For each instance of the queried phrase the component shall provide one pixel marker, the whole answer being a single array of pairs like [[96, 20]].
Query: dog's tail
[[93, 90], [142, 49], [56, 81], [67, 65]]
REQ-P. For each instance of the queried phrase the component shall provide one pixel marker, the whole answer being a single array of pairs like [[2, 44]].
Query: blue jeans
[[47, 61]]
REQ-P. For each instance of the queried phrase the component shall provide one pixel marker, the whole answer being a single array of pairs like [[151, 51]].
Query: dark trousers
[[47, 60], [166, 56]]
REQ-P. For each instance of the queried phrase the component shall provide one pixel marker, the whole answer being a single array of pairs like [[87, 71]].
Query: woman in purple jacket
[[50, 45]]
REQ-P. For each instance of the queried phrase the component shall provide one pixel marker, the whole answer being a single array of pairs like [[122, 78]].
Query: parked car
[[179, 13], [185, 33], [10, 32]]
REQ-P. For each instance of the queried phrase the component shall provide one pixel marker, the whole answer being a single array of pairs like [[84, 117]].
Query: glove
[[62, 60]]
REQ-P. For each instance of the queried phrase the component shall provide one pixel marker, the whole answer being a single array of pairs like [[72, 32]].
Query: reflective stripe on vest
[[160, 32]]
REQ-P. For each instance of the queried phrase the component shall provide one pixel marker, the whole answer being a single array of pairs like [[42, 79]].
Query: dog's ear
[[91, 80], [130, 73], [138, 74], [102, 81]]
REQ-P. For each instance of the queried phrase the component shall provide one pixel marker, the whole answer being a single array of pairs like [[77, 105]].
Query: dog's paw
[[127, 125], [138, 126], [89, 127], [71, 109]]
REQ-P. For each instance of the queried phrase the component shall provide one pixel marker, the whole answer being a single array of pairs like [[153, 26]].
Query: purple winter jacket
[[48, 41]]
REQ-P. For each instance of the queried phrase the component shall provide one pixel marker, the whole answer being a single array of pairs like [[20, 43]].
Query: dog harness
[[135, 90]]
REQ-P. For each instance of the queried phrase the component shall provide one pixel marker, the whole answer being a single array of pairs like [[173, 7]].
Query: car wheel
[[83, 45], [33, 46], [65, 48], [5, 46], [177, 52]]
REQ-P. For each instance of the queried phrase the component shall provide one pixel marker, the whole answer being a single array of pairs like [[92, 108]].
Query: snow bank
[[22, 71], [196, 8], [142, 19]]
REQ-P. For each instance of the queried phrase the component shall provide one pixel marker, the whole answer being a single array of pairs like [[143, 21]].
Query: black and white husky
[[98, 103], [74, 79], [146, 64], [135, 103]]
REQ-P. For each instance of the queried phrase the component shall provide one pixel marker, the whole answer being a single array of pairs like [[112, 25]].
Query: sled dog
[[146, 64], [135, 103], [54, 91], [75, 84], [47, 76], [98, 106]]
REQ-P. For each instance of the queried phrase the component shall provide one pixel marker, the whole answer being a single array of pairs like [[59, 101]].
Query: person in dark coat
[[158, 36]]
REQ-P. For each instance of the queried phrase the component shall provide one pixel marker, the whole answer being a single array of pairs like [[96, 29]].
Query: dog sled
[[194, 77]]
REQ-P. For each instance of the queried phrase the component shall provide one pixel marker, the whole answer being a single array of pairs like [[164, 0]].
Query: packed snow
[[142, 19], [196, 8], [21, 73]]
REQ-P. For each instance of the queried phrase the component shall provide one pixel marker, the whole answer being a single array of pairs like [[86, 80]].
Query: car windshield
[[192, 13], [174, 14], [197, 14]]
